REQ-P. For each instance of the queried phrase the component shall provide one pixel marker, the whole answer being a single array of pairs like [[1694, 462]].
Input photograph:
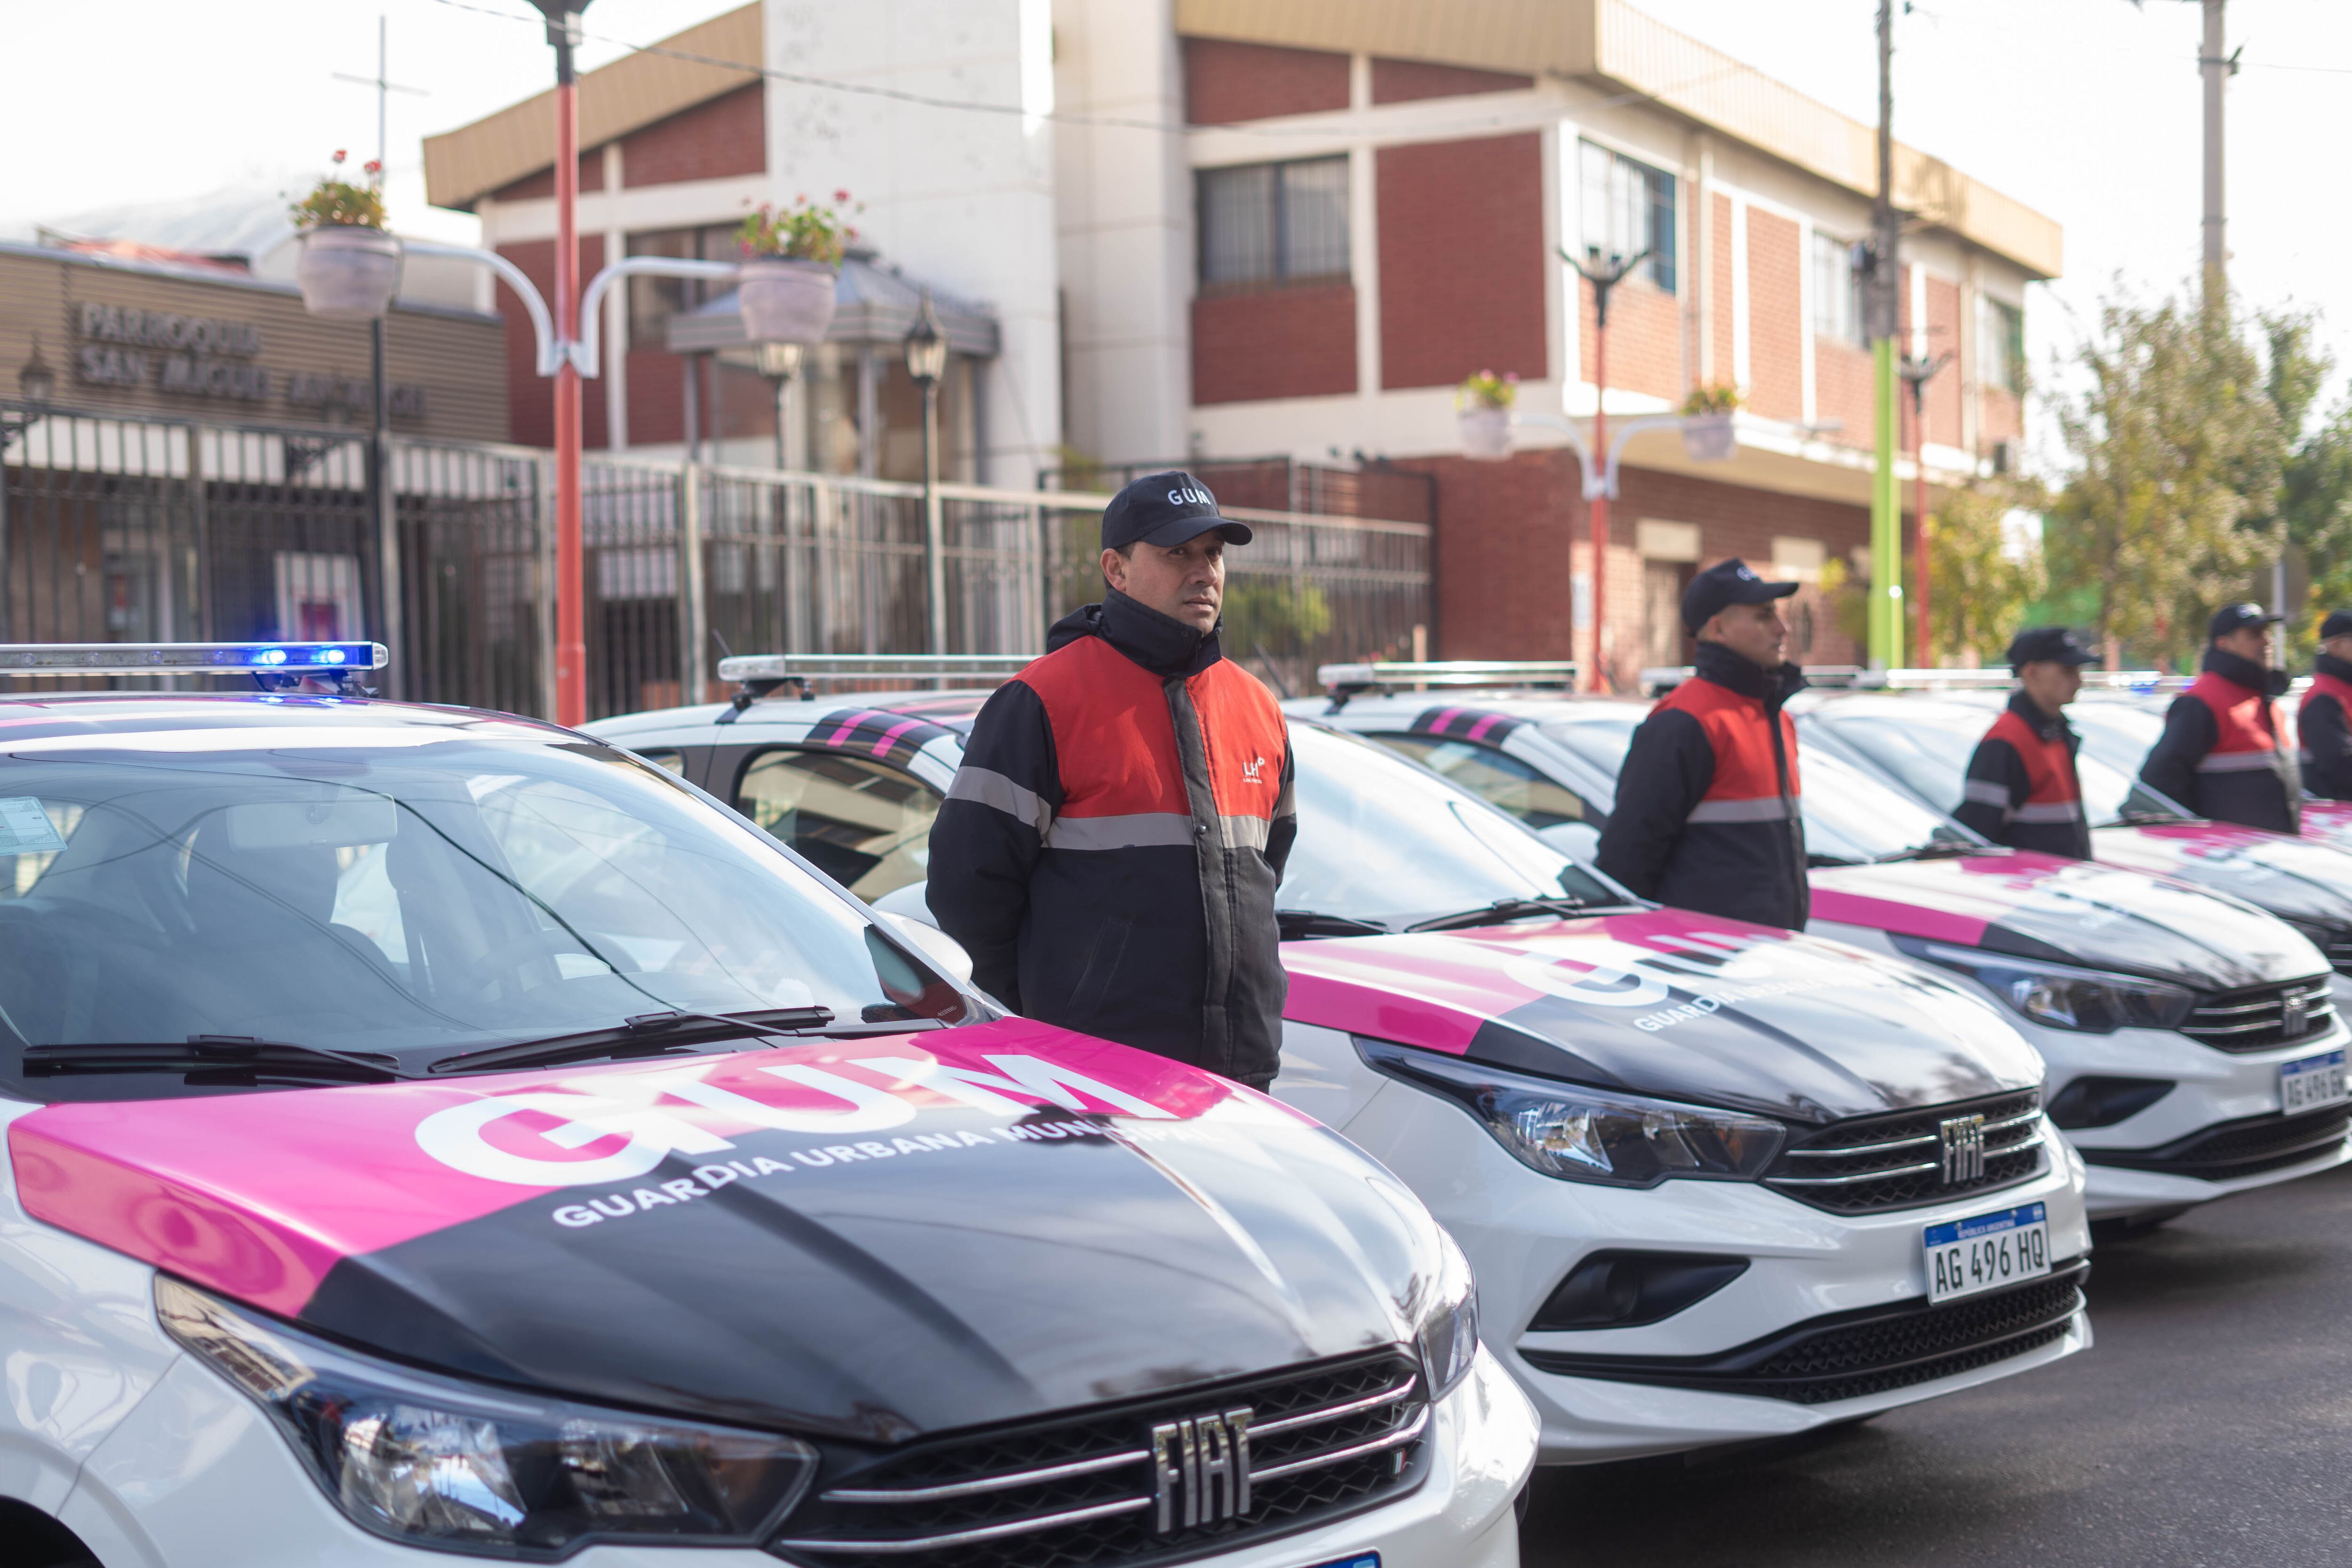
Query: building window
[[1838, 313], [653, 300], [2001, 347], [1628, 207], [1265, 225]]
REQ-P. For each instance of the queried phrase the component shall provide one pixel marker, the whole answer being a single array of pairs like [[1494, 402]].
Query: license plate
[[1368, 1560], [2312, 1081], [1986, 1251]]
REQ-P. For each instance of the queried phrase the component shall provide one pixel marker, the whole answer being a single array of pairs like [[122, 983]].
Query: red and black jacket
[[2220, 754], [2326, 730], [1706, 816], [1109, 850], [2021, 788]]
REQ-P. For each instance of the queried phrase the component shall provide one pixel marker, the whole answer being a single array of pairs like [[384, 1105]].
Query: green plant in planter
[[804, 231], [1487, 390], [1721, 398], [337, 203]]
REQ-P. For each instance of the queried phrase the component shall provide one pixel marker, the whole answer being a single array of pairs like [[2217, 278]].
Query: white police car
[[434, 1131]]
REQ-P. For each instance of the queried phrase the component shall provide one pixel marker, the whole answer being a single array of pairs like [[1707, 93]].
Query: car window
[[1496, 777], [1926, 747], [864, 825], [409, 897], [669, 759]]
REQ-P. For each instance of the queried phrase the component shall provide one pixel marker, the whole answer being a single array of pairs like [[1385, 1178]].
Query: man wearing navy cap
[[1706, 816], [2221, 755], [2022, 789], [1109, 849], [2322, 721]]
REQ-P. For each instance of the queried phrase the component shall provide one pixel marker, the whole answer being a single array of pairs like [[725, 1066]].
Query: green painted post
[[1885, 523]]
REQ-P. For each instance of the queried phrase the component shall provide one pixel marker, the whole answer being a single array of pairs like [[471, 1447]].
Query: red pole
[[1919, 515], [571, 640], [1600, 682]]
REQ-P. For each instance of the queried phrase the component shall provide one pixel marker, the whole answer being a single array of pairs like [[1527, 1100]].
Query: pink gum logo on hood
[[258, 1195]]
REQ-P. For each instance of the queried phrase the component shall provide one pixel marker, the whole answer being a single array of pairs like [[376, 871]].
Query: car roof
[[26, 716], [1511, 703], [952, 709]]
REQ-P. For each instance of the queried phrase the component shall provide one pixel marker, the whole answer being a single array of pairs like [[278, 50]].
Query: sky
[[2088, 111]]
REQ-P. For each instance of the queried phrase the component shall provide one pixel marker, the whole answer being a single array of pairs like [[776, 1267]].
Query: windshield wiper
[[202, 1053], [1941, 849], [1298, 925], [1514, 909], [646, 1035]]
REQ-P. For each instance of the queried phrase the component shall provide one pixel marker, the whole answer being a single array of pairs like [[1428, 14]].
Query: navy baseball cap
[[1727, 582], [2238, 617], [1166, 509], [2055, 645], [2337, 624]]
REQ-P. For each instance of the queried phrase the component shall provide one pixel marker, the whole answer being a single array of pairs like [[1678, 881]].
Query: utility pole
[[2217, 69], [1885, 276], [1604, 276]]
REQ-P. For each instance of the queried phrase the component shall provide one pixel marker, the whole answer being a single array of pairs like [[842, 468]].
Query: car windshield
[[1925, 747], [411, 891], [1849, 815], [1381, 839]]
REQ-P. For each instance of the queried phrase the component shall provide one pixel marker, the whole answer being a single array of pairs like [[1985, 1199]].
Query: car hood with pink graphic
[[2069, 911], [1671, 1004], [2307, 880], [872, 1239]]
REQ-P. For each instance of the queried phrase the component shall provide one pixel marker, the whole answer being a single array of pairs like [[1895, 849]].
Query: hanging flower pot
[[1709, 437], [785, 300], [1486, 434], [347, 273]]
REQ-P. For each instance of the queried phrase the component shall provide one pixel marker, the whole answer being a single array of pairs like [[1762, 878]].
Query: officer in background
[[2325, 719], [2021, 790], [2221, 755], [1109, 849], [1706, 813]]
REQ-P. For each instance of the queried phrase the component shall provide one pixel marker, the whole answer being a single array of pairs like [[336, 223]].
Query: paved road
[[2208, 1426]]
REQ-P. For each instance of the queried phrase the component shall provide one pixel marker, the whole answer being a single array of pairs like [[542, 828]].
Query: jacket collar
[[2244, 672], [1735, 672], [2328, 664], [1160, 644], [2043, 724]]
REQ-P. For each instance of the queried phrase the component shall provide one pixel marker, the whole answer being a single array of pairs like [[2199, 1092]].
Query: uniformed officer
[[1706, 810], [2021, 790], [2325, 719], [2221, 755]]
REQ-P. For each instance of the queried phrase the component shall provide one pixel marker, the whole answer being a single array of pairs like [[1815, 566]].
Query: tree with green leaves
[[2312, 507], [1983, 582]]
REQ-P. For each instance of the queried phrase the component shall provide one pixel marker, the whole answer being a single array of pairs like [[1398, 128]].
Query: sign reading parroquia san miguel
[[210, 357]]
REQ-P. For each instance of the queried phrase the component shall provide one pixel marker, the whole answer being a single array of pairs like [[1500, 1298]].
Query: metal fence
[[116, 528]]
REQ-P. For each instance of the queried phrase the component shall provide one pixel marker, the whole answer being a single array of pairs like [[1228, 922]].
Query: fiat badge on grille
[[1201, 1469]]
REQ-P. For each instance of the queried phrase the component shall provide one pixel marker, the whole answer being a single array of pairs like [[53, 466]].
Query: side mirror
[[911, 916], [1579, 841]]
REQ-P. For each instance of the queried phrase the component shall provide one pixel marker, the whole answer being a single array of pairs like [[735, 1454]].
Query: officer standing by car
[[1706, 816], [2021, 788], [2221, 755], [2323, 723], [1109, 849]]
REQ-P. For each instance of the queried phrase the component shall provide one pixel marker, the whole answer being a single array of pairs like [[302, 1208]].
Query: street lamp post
[[779, 363], [1918, 371], [926, 361], [570, 630], [36, 383], [1604, 276]]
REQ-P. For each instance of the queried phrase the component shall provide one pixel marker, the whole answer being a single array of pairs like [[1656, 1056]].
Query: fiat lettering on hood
[[431, 1130]]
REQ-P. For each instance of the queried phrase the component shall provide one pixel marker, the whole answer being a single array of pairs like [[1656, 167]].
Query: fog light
[[1626, 1289]]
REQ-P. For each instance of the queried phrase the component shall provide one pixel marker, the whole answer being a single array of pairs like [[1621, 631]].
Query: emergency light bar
[[1659, 680], [1999, 677], [1339, 678], [287, 658], [804, 667]]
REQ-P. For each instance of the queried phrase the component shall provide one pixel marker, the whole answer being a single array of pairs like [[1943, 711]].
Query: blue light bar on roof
[[167, 658]]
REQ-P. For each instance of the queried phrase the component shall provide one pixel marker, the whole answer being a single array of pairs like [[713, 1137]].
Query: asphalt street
[[2209, 1426]]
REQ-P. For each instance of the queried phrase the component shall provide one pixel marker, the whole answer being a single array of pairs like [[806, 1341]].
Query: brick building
[[1220, 230]]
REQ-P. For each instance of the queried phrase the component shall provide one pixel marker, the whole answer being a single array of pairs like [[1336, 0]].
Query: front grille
[[1078, 1491], [1877, 1163], [1852, 1355], [2259, 1016], [2235, 1149]]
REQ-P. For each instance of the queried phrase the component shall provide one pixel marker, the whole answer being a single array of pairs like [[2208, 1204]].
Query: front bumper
[[196, 1477], [1699, 1376], [2157, 1160]]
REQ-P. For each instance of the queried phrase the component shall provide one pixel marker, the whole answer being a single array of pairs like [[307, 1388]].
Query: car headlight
[[1582, 1134], [436, 1461], [1448, 1333], [2060, 997]]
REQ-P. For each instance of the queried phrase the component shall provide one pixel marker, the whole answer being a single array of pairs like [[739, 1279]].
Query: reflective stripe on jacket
[[2220, 754], [1706, 816], [2022, 789], [2324, 726], [1109, 849]]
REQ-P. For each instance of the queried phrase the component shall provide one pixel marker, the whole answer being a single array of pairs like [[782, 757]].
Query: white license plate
[[1986, 1251], [1362, 1559], [2312, 1081]]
